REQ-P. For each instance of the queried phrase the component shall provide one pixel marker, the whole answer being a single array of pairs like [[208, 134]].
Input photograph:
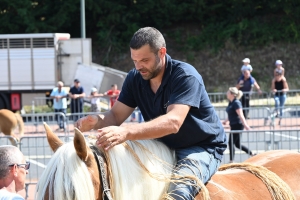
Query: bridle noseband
[[99, 157]]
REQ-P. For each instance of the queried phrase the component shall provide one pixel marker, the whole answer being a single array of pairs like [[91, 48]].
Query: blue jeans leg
[[282, 99], [276, 99], [193, 161], [60, 119]]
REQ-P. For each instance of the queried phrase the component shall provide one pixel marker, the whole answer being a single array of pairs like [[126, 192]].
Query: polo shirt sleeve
[[187, 90], [237, 105], [53, 93], [82, 90], [71, 90], [127, 96], [65, 93], [239, 79]]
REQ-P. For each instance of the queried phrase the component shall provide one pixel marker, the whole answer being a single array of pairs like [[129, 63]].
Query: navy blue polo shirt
[[75, 90], [231, 111], [181, 84], [247, 85]]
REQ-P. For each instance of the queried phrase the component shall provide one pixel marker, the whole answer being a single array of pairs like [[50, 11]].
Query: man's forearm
[[106, 119], [155, 128]]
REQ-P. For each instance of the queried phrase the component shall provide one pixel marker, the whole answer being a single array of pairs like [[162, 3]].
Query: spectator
[[59, 94], [247, 66], [236, 121], [279, 69], [113, 94], [76, 94], [175, 105], [95, 100], [13, 170], [279, 89], [245, 85]]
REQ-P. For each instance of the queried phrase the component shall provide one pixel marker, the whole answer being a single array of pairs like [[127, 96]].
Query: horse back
[[234, 184], [284, 163]]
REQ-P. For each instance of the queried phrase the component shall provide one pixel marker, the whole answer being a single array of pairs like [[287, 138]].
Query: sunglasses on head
[[25, 166]]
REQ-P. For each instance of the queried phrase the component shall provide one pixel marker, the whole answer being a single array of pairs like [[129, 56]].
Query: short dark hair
[[76, 80], [150, 36]]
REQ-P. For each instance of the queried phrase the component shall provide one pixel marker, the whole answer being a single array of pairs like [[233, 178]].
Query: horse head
[[75, 164]]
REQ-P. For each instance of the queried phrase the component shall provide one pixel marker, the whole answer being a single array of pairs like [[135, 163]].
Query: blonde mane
[[137, 170], [148, 178], [67, 177]]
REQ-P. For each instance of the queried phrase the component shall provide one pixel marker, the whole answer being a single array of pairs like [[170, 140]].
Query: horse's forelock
[[67, 176]]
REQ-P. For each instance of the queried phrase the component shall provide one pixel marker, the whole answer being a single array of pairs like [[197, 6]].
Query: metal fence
[[267, 132], [264, 140], [219, 99], [37, 151], [45, 104]]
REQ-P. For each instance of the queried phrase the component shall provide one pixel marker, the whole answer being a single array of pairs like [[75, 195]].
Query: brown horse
[[229, 184], [8, 122]]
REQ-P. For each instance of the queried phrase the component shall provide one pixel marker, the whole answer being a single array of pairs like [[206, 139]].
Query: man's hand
[[87, 123], [111, 136]]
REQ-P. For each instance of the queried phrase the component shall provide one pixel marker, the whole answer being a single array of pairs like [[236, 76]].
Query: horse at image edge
[[273, 175]]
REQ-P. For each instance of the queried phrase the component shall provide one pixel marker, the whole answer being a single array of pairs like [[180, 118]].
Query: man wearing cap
[[245, 84], [76, 94], [279, 69], [59, 94]]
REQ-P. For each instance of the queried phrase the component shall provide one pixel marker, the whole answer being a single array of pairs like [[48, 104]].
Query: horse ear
[[80, 145], [52, 138]]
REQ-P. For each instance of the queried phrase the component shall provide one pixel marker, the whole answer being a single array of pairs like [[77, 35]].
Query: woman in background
[[279, 89], [236, 120]]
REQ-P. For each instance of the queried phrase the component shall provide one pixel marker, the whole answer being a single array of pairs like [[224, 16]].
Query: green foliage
[[111, 23]]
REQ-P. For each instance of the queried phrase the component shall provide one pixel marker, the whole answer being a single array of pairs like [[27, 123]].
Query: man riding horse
[[175, 105]]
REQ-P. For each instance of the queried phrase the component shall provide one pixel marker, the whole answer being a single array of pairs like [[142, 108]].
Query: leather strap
[[103, 176]]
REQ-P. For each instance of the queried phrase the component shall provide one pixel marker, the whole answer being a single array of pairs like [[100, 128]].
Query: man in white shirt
[[59, 95]]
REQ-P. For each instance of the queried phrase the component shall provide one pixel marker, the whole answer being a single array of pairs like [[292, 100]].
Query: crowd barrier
[[45, 104], [34, 123], [37, 151], [259, 141], [266, 134], [219, 99]]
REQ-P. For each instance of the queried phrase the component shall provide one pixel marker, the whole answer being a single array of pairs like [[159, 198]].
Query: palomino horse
[[72, 173], [8, 122]]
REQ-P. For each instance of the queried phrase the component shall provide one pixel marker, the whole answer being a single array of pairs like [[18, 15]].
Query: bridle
[[99, 157]]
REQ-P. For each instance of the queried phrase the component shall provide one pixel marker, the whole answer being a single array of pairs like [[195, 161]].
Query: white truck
[[31, 65]]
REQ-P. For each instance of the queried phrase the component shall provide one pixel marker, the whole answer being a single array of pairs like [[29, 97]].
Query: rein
[[103, 176]]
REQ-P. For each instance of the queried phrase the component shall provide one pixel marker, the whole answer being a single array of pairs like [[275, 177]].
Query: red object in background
[[15, 101]]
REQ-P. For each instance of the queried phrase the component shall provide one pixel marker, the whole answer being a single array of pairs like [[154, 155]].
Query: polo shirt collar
[[168, 71]]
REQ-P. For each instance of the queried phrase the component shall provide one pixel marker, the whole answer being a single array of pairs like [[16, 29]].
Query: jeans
[[60, 119], [200, 163], [279, 103]]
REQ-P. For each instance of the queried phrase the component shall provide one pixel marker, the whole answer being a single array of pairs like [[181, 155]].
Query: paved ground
[[35, 146]]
